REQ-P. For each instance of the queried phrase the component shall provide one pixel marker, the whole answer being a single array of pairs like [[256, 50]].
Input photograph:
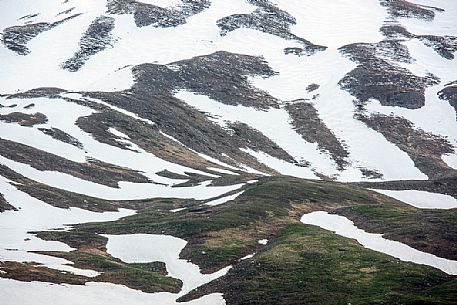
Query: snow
[[281, 166], [335, 23], [79, 96], [35, 215], [223, 171], [263, 242], [216, 161], [327, 69], [38, 293], [273, 123], [126, 190], [145, 248], [443, 24], [223, 200], [104, 70], [42, 65], [161, 3], [344, 227], [422, 199], [450, 159], [437, 116], [344, 22], [331, 23], [247, 257], [138, 160]]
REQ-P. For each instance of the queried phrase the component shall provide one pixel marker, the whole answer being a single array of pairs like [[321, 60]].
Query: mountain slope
[[173, 147]]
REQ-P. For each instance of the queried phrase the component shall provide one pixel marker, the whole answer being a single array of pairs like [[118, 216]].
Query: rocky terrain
[[211, 152]]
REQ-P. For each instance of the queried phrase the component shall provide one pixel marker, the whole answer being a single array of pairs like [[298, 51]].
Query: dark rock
[[151, 15], [449, 93], [402, 8], [24, 119], [61, 136], [376, 77], [425, 149], [16, 38], [307, 123], [95, 39], [268, 18]]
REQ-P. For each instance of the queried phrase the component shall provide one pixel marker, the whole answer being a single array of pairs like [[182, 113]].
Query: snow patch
[[145, 248], [422, 199], [224, 199], [344, 227]]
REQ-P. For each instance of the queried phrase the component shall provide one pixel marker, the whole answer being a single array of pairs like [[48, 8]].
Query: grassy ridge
[[308, 265], [300, 264]]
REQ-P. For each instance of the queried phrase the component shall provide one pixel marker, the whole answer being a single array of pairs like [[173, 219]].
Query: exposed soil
[[425, 149], [62, 136], [307, 123], [446, 185], [24, 119], [371, 173], [149, 278], [402, 8], [97, 38], [65, 199], [268, 18], [92, 170], [16, 38], [449, 93], [256, 141], [222, 76], [156, 16], [4, 205], [445, 46], [376, 77], [49, 92]]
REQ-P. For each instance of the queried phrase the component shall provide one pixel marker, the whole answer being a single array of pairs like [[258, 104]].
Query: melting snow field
[[37, 293], [35, 215], [145, 248], [332, 23], [223, 200], [422, 199], [344, 227]]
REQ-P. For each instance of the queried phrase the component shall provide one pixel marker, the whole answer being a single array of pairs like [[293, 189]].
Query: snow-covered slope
[[120, 100]]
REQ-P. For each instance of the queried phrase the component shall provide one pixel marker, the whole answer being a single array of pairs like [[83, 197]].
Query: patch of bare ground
[[23, 119], [97, 38], [449, 93], [425, 149], [92, 170], [50, 92], [378, 77], [151, 139], [65, 199], [195, 131], [4, 205], [62, 136], [15, 38], [150, 15], [445, 185], [221, 235], [149, 278], [403, 8], [307, 123], [268, 18], [445, 45]]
